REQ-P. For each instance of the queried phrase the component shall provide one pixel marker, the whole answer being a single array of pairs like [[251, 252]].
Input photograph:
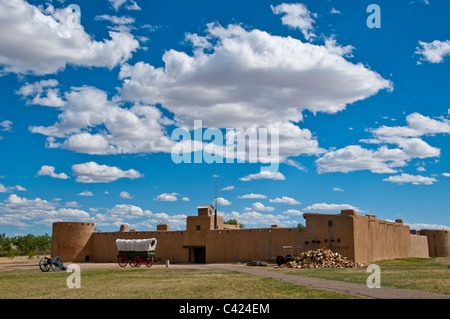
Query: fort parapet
[[361, 238]]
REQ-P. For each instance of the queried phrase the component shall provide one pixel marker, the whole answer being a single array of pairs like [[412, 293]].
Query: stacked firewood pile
[[320, 258]]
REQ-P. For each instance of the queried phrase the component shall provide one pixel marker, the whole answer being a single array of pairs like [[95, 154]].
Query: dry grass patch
[[152, 284]]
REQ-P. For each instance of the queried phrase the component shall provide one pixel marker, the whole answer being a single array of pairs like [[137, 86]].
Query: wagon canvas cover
[[136, 244]]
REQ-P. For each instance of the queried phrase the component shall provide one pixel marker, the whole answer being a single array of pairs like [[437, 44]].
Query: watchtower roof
[[205, 206]]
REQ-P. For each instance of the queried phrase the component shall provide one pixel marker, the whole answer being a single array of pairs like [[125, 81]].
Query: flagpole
[[215, 213]]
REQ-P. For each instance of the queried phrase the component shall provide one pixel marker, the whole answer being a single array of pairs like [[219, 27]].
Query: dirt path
[[338, 286]]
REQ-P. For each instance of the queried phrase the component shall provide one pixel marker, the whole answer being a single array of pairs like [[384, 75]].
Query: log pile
[[321, 258]]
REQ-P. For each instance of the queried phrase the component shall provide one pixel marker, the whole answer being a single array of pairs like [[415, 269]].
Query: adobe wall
[[376, 239], [72, 240], [419, 246], [169, 244], [224, 245], [231, 245], [360, 238], [332, 231], [221, 245], [322, 231], [438, 242]]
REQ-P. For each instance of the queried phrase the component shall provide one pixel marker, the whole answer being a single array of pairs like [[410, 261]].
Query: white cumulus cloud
[[293, 212], [44, 42], [413, 179], [20, 211], [433, 52], [285, 200], [417, 125], [354, 158], [263, 175], [408, 144], [253, 218], [261, 207], [10, 189], [223, 202], [297, 16], [324, 207], [47, 170], [228, 188], [127, 4], [6, 126], [167, 197], [86, 193], [91, 123], [92, 172], [427, 226], [253, 196], [42, 92], [235, 72], [125, 195]]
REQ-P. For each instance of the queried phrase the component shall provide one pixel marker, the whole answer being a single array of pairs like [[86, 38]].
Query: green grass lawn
[[142, 283], [425, 274]]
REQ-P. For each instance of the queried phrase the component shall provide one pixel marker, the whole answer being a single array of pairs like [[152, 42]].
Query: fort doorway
[[197, 254]]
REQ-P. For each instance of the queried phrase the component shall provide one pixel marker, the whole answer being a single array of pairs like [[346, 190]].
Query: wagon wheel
[[56, 263], [122, 260], [148, 262], [132, 262], [280, 260], [44, 264], [137, 261]]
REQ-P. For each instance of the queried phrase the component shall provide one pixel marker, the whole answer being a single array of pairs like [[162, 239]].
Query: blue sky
[[92, 92]]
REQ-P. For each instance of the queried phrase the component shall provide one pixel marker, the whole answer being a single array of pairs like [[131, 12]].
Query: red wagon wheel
[[137, 261], [122, 260], [149, 262]]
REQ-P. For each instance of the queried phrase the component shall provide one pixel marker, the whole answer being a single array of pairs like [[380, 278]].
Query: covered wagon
[[136, 251]]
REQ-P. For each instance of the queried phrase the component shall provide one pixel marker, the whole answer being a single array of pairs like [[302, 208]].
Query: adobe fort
[[361, 238]]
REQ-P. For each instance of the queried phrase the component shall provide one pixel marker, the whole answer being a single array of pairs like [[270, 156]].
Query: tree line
[[29, 245]]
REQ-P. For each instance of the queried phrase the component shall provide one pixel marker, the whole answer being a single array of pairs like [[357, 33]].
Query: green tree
[[5, 245], [28, 245]]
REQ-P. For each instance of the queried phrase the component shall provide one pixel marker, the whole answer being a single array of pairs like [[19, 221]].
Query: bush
[[234, 221]]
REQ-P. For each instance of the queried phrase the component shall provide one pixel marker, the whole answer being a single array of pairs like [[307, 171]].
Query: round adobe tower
[[71, 240], [438, 242]]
